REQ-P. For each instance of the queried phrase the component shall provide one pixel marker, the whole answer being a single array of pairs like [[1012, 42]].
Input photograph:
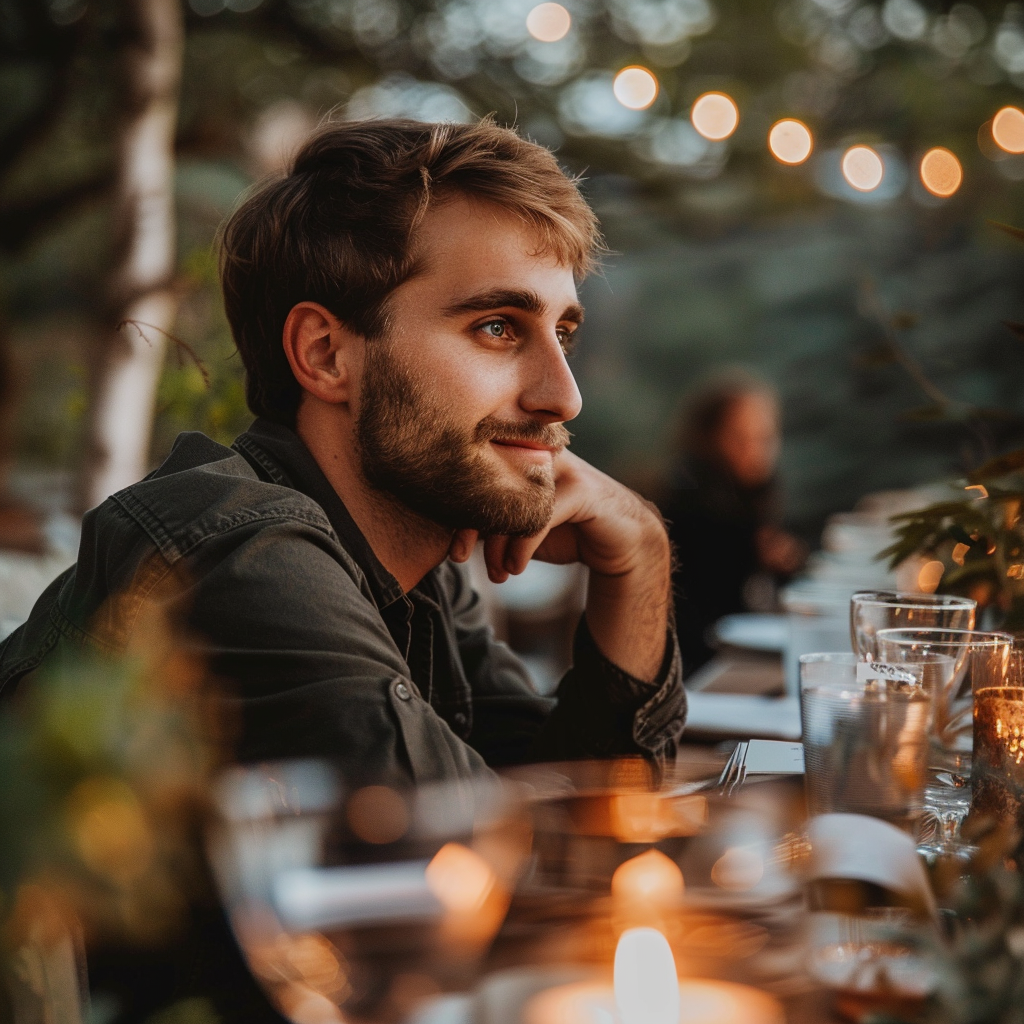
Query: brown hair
[[337, 229]]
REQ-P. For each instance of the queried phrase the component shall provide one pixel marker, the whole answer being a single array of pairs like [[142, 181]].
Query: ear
[[319, 349]]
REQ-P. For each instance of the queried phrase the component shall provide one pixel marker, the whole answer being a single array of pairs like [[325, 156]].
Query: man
[[403, 302]]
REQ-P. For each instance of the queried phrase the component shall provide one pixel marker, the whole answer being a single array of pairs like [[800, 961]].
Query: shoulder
[[203, 491]]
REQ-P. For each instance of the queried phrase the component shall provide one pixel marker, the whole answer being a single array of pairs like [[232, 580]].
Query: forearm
[[628, 613]]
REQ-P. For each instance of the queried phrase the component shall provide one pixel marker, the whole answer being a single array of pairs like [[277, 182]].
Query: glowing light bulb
[[790, 141], [863, 168], [460, 878], [635, 87], [646, 986], [548, 23], [715, 115], [650, 878], [1008, 129], [941, 172]]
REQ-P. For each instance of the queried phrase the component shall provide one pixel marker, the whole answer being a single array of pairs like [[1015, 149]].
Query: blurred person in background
[[723, 509]]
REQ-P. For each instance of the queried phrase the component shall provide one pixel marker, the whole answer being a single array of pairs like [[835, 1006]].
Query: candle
[[997, 778], [651, 879], [647, 991]]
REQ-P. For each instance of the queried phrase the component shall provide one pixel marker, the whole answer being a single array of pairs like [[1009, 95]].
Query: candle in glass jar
[[997, 777], [647, 991]]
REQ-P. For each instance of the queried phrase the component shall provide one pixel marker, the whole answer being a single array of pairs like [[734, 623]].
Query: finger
[[462, 545], [494, 558]]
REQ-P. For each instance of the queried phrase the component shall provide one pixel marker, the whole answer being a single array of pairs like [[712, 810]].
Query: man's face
[[461, 403]]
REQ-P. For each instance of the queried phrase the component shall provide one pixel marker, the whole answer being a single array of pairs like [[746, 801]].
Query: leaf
[[1013, 232], [936, 512], [999, 466]]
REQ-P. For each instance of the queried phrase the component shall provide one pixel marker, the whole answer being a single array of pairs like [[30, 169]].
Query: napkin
[[737, 714]]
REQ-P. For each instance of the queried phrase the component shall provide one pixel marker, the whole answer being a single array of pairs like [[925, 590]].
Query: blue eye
[[496, 328]]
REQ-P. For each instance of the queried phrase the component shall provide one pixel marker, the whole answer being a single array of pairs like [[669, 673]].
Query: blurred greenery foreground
[[102, 775]]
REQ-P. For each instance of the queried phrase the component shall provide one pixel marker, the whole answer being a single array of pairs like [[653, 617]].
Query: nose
[[550, 389]]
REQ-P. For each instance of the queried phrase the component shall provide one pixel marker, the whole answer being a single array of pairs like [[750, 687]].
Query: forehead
[[464, 246]]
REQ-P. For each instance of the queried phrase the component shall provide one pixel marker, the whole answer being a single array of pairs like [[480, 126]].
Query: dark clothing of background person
[[327, 656], [713, 522]]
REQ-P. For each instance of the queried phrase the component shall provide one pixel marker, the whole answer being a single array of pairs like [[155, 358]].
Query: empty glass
[[874, 610], [961, 662], [865, 738], [978, 658]]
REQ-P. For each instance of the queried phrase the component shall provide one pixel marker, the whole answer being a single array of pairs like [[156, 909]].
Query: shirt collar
[[278, 453]]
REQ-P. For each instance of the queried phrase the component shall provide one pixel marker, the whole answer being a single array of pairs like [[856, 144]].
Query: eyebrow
[[517, 298]]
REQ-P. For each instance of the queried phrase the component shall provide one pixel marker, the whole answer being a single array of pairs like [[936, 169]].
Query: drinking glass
[[865, 738], [356, 904], [955, 663], [979, 658], [874, 610]]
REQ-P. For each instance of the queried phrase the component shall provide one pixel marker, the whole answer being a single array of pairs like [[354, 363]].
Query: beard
[[413, 450]]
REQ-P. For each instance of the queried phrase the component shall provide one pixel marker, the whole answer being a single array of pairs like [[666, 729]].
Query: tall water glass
[[874, 610], [865, 738]]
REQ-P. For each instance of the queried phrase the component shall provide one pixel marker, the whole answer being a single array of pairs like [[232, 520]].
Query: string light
[[790, 141], [548, 23], [941, 172], [635, 87], [863, 168], [1008, 130], [715, 115]]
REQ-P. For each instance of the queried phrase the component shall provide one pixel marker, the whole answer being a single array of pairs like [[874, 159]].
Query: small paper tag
[[867, 670]]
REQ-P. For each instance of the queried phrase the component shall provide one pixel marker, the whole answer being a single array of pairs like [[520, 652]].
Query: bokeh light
[[377, 814], [715, 115], [941, 172], [863, 168], [548, 23], [1008, 129], [930, 576], [790, 141], [460, 878], [635, 87]]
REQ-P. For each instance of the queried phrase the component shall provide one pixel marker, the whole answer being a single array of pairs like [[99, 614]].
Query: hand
[[621, 539]]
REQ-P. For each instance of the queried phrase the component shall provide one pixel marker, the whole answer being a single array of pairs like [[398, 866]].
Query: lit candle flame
[[863, 168], [635, 87], [649, 878], [790, 141], [548, 23], [646, 986], [715, 115], [1008, 129]]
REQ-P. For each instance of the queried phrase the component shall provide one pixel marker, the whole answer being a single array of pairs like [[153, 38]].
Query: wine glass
[[874, 610], [956, 663]]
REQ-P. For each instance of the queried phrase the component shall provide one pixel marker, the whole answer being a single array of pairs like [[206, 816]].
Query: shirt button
[[402, 692]]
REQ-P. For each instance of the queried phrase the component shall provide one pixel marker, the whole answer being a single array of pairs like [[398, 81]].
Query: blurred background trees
[[722, 253]]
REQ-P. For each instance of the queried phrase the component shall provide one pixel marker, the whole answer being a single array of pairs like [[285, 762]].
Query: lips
[[535, 446]]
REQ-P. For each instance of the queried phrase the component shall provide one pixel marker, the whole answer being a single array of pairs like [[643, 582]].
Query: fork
[[735, 770]]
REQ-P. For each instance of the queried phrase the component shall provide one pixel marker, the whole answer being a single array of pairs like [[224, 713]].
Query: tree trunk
[[142, 298]]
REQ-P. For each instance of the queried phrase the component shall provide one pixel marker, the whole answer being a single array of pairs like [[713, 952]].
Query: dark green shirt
[[324, 653]]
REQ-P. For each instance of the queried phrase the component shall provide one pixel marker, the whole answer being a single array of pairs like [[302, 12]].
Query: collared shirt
[[323, 652]]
